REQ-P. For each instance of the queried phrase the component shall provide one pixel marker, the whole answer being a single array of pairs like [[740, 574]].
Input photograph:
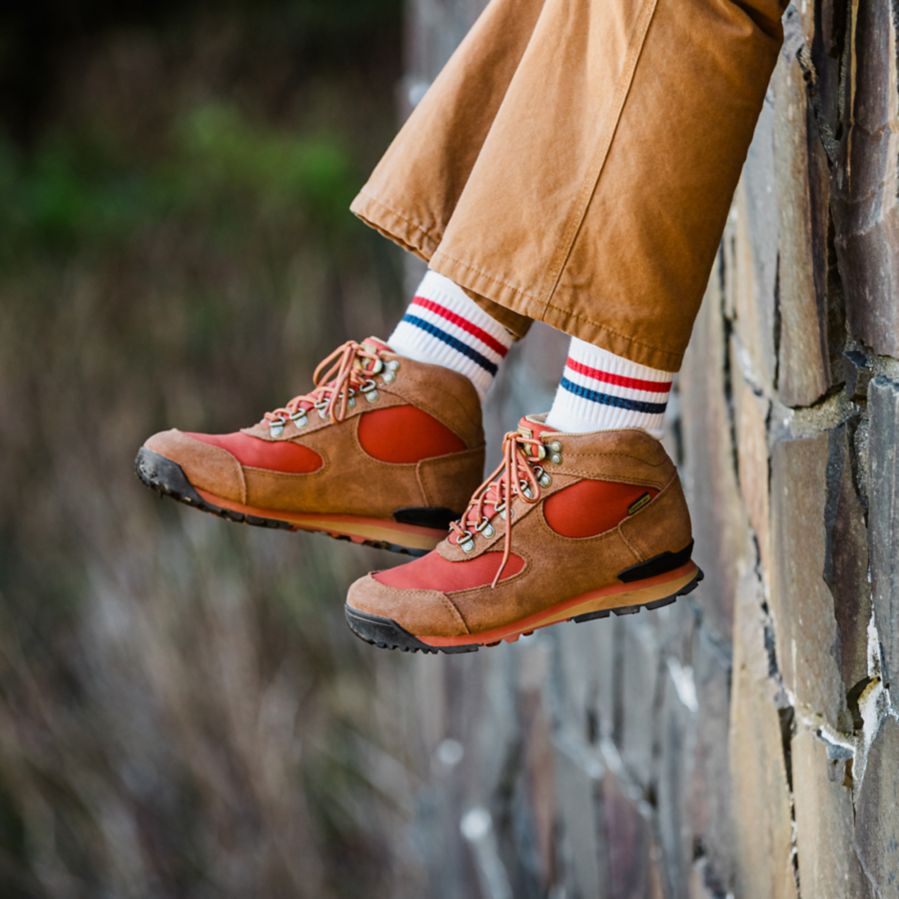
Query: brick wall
[[742, 741]]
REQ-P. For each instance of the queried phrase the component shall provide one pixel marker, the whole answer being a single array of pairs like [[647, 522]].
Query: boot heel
[[660, 564]]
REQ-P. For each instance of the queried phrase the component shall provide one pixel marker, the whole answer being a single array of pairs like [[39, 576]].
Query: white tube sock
[[444, 326], [600, 391]]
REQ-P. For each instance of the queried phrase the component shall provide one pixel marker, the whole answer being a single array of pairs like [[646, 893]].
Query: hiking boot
[[569, 527], [383, 451]]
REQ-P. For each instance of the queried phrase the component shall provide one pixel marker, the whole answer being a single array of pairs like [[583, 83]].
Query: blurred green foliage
[[77, 189], [182, 710]]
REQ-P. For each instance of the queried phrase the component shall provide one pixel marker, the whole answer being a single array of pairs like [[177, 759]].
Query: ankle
[[444, 326], [600, 391]]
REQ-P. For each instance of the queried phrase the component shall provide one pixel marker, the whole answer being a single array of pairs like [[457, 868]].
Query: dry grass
[[182, 710]]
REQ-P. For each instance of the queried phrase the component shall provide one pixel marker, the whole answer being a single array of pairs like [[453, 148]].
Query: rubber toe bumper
[[205, 466]]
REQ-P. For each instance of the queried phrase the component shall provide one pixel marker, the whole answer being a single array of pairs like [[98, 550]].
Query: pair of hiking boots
[[389, 452]]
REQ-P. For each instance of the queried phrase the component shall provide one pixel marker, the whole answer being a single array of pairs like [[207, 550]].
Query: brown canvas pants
[[575, 160]]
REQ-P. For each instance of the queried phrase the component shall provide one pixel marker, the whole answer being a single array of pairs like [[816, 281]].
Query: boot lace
[[518, 474], [337, 378]]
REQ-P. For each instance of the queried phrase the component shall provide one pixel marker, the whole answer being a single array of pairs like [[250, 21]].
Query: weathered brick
[[719, 522], [883, 516], [641, 668], [846, 556], [627, 831], [755, 250], [802, 191], [577, 665], [607, 654], [824, 819], [877, 823], [710, 809], [867, 208], [578, 776], [751, 419], [802, 606], [677, 736], [761, 800]]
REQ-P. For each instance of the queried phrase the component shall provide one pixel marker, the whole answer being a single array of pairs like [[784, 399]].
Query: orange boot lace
[[338, 378], [518, 474]]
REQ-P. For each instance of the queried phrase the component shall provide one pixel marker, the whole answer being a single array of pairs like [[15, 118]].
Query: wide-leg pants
[[575, 160]]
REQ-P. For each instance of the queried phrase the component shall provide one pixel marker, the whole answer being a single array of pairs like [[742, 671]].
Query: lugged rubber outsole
[[385, 633], [167, 478]]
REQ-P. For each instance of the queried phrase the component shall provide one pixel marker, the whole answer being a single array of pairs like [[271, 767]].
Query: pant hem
[[572, 323], [394, 225], [500, 296]]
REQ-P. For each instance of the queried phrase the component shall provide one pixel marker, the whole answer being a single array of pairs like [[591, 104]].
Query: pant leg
[[597, 196], [413, 191]]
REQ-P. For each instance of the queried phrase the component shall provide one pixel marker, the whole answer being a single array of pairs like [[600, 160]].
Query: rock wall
[[743, 741]]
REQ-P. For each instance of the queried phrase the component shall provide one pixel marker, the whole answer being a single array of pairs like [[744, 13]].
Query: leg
[[413, 192], [600, 214], [596, 198]]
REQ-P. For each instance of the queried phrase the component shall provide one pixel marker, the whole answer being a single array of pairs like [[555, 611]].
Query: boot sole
[[168, 479], [617, 599]]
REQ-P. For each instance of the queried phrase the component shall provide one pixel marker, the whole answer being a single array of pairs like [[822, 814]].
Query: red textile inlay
[[588, 508], [405, 434], [433, 572], [618, 380], [282, 455], [463, 323]]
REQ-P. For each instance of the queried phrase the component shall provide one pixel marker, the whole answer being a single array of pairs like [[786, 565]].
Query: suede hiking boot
[[383, 451], [569, 527]]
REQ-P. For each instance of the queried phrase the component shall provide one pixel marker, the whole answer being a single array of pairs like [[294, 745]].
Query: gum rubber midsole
[[353, 526], [615, 596]]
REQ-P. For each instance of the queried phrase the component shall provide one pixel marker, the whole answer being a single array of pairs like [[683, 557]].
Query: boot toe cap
[[206, 466], [420, 612]]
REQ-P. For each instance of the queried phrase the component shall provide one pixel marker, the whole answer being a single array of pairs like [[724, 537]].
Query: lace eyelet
[[276, 428], [485, 529], [466, 542], [370, 391]]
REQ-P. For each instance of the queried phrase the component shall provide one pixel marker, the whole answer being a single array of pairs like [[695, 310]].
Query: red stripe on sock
[[618, 380], [463, 323]]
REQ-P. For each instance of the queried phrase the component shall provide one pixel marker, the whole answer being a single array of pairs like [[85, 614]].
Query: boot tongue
[[532, 427], [375, 344]]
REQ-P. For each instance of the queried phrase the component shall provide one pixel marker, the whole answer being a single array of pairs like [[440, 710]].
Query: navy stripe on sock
[[454, 342], [609, 400]]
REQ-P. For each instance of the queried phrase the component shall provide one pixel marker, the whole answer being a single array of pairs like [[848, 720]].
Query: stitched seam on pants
[[624, 88], [550, 305], [418, 227], [606, 328], [567, 312], [487, 275]]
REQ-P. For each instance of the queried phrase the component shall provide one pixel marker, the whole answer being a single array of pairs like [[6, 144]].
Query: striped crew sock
[[600, 391], [444, 326]]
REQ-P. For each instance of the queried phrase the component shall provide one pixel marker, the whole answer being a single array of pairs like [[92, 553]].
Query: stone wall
[[742, 741]]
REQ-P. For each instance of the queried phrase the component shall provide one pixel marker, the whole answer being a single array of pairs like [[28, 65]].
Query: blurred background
[[182, 709], [183, 712]]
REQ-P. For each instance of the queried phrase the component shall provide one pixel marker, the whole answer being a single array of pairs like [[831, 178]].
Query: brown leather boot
[[383, 451], [598, 525]]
